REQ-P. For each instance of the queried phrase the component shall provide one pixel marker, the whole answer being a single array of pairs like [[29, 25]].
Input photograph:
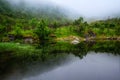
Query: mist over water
[[98, 9]]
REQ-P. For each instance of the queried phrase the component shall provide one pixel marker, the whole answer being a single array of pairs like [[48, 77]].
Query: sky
[[92, 8], [86, 8]]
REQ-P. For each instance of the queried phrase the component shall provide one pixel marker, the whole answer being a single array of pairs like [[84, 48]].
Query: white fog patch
[[85, 8], [92, 8], [33, 3]]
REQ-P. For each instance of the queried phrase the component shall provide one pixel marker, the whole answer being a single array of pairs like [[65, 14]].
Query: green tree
[[42, 31], [117, 30], [78, 21], [33, 22], [2, 31], [18, 32]]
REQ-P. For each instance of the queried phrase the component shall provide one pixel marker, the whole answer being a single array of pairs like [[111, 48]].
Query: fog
[[92, 8], [86, 8]]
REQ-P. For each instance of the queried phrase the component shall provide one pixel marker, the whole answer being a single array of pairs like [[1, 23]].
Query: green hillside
[[21, 22]]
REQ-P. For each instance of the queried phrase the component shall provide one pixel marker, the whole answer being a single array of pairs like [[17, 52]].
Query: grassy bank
[[19, 51], [22, 50]]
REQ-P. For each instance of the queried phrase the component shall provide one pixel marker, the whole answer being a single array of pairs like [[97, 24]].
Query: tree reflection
[[56, 52]]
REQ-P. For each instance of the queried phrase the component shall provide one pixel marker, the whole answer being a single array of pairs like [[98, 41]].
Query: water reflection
[[92, 67], [20, 72], [85, 61]]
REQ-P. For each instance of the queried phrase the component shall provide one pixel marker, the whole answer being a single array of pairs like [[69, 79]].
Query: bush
[[42, 31]]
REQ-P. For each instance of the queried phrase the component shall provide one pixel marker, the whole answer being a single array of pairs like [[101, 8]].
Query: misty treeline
[[21, 22]]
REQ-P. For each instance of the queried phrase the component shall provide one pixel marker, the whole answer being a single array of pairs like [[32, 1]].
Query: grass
[[14, 46], [107, 32], [18, 50], [22, 52], [65, 31], [27, 53], [31, 52]]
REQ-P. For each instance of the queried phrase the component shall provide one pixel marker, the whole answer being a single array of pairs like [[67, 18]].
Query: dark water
[[96, 62]]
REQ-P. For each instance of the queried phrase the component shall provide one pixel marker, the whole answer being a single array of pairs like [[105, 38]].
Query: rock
[[75, 42], [118, 39], [11, 37], [77, 39], [18, 43], [28, 40]]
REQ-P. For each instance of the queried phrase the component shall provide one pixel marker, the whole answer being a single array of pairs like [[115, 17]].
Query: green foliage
[[17, 32], [19, 51], [42, 31], [2, 29], [78, 21], [65, 31], [109, 27], [117, 30], [55, 24], [33, 22], [25, 22], [30, 53]]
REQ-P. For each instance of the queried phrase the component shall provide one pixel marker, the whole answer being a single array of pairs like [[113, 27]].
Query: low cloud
[[86, 8]]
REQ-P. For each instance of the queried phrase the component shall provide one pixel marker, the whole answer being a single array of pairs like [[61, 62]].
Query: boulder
[[28, 40], [75, 41]]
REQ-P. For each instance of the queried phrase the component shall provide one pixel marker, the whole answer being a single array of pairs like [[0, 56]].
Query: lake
[[85, 61]]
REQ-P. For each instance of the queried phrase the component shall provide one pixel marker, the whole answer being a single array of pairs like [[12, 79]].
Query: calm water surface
[[90, 62], [100, 66]]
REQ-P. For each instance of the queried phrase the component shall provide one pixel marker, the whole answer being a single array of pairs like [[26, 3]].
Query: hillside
[[24, 18], [47, 19]]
